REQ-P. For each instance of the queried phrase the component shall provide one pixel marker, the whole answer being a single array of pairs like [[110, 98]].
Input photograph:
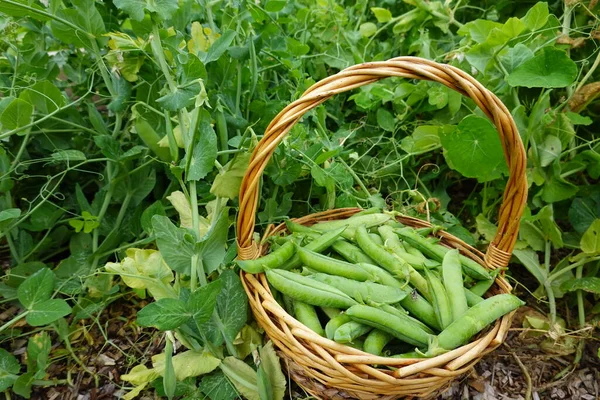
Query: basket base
[[320, 391]]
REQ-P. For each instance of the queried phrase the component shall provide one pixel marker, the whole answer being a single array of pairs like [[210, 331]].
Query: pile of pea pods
[[375, 284]]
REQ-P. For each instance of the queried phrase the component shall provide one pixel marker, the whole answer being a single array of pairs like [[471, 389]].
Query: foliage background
[[127, 124]]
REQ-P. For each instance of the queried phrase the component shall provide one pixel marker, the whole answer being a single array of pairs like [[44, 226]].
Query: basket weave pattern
[[330, 370]]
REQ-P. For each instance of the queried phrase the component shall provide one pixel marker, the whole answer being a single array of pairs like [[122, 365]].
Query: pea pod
[[410, 354], [420, 308], [441, 304], [334, 324], [269, 261], [318, 244], [351, 252], [481, 287], [328, 265], [331, 312], [308, 290], [307, 315], [368, 221], [391, 263], [351, 330], [453, 283], [437, 252], [376, 238], [476, 319], [395, 326], [295, 227], [362, 291], [472, 298], [151, 139], [376, 340], [381, 276], [401, 313], [394, 245]]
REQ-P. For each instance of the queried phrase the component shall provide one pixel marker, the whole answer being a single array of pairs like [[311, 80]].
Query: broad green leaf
[[590, 284], [383, 15], [578, 119], [212, 245], [175, 244], [47, 312], [109, 146], [556, 187], [242, 376], [485, 227], [181, 98], [368, 29], [548, 225], [68, 155], [44, 96], [38, 351], [86, 17], [509, 30], [155, 208], [22, 385], [135, 8], [37, 288], [549, 150], [201, 302], [263, 383], [122, 96], [583, 212], [8, 215], [23, 8], [479, 29], [423, 139], [164, 314], [217, 387], [9, 366], [550, 68], [275, 5], [515, 56], [17, 114], [590, 241], [479, 56], [295, 47], [474, 149], [532, 235], [205, 150], [529, 259], [536, 16], [220, 46], [438, 96], [272, 368]]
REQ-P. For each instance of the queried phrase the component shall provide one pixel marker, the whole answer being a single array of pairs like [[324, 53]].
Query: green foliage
[[127, 126]]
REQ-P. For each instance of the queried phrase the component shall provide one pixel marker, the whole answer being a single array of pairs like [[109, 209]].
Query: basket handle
[[515, 194]]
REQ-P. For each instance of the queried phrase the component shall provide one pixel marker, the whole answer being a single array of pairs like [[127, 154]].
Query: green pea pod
[[476, 319], [472, 298], [351, 330], [481, 287], [379, 319], [295, 227], [269, 261], [381, 276], [376, 340], [368, 221], [441, 304], [376, 238], [437, 252], [318, 244], [395, 246], [363, 291], [420, 308], [357, 344], [328, 265], [351, 252], [334, 324], [308, 290], [331, 312], [395, 265], [453, 283], [411, 354], [307, 315], [400, 313], [151, 139]]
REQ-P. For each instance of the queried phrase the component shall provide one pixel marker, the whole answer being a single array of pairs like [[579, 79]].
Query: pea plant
[[126, 127]]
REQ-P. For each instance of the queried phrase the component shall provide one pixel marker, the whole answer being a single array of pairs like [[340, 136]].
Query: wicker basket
[[330, 370]]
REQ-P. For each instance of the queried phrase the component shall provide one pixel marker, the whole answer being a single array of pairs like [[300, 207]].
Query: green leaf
[[135, 8], [164, 314], [269, 361], [213, 245], [227, 183], [590, 241], [536, 16], [368, 29], [423, 139], [529, 259], [68, 155], [22, 385], [583, 212], [123, 94], [295, 47], [474, 149], [591, 285], [515, 56], [37, 288], [17, 10], [45, 97], [181, 98], [205, 150], [8, 366], [86, 17], [201, 302], [155, 208], [109, 146], [551, 68], [8, 215], [175, 244], [219, 47], [275, 5], [47, 312], [242, 376], [549, 150], [438, 96], [217, 387], [383, 15], [38, 352], [479, 29], [265, 390], [578, 119], [17, 114], [485, 227]]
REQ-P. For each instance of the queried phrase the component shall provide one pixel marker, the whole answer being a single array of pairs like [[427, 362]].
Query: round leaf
[[552, 68]]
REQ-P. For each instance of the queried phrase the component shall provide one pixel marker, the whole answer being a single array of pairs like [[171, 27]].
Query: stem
[[223, 136], [104, 208], [580, 304], [566, 27], [15, 319], [588, 75], [171, 136], [548, 284], [157, 49], [356, 178]]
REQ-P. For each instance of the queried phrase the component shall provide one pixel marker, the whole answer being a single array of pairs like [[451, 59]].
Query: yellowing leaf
[[202, 38], [140, 375], [590, 241], [242, 376], [187, 364], [272, 367], [182, 205]]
